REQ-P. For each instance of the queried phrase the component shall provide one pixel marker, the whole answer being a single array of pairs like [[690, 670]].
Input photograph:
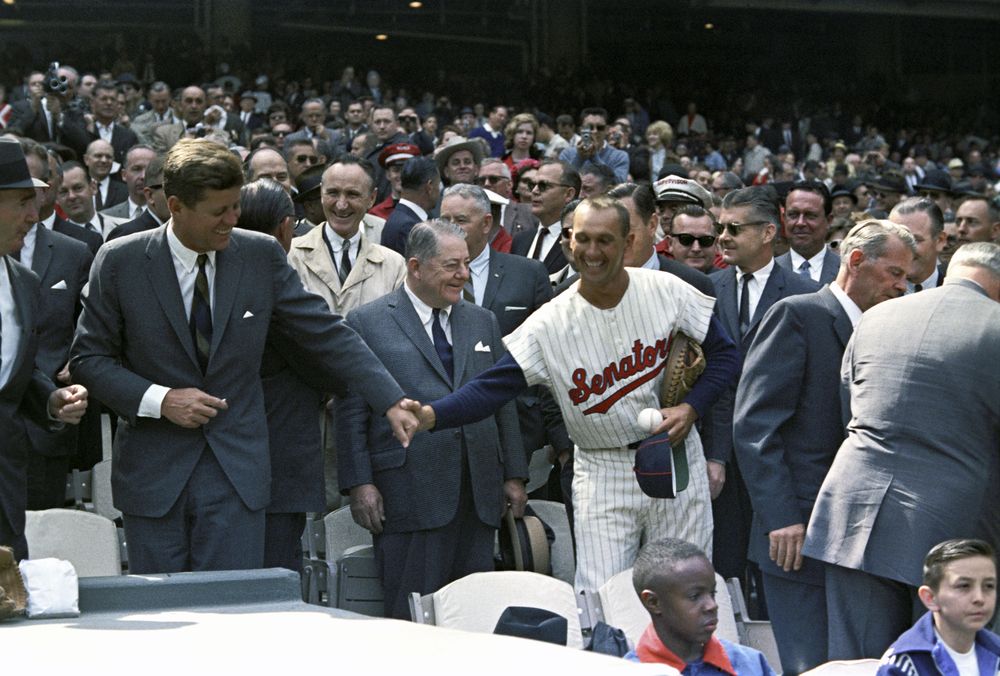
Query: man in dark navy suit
[[556, 185]]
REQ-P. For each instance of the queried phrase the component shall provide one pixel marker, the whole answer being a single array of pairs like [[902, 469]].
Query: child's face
[[686, 600], [966, 597]]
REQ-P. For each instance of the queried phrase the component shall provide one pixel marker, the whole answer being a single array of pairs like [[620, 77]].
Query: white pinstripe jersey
[[604, 366]]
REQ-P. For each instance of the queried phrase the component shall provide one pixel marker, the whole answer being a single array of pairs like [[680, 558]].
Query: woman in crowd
[[659, 136]]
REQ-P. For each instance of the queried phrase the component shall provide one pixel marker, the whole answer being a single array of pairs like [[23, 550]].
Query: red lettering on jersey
[[642, 358]]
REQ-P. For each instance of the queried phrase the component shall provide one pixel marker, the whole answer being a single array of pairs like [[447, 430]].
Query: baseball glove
[[685, 363], [13, 597]]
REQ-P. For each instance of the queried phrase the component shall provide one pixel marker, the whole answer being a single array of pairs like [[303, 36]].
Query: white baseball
[[649, 419]]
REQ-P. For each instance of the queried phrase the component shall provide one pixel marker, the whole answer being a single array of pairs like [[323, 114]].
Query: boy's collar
[[651, 649]]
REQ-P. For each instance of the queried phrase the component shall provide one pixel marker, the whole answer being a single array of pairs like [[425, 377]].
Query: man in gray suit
[[746, 290], [920, 463], [788, 426], [807, 220], [171, 335], [433, 508], [137, 159]]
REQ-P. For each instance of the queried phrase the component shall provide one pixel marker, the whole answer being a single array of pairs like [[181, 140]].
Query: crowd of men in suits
[[862, 426]]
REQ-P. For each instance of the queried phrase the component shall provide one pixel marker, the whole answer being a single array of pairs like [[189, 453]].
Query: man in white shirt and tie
[[99, 160], [134, 172], [923, 218], [76, 197], [556, 184], [105, 107], [807, 219]]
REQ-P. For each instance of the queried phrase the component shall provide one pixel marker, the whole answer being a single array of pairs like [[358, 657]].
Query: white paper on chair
[[53, 588]]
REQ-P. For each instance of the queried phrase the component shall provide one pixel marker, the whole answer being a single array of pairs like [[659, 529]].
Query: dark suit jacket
[[133, 332], [831, 265], [144, 222], [122, 138], [517, 287], [788, 424], [420, 484], [117, 193], [31, 123], [554, 261], [917, 467], [62, 264], [25, 394], [88, 237], [397, 228], [718, 425]]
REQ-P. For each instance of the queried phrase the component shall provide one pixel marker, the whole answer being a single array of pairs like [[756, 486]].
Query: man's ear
[[926, 595], [650, 601]]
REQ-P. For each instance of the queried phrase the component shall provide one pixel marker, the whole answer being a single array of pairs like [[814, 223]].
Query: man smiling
[[171, 336]]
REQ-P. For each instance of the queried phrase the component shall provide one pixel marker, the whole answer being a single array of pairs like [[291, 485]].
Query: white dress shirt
[[479, 269], [337, 243], [10, 325], [50, 222], [755, 286], [850, 307], [426, 314], [186, 269], [417, 209], [815, 263], [28, 250], [105, 132], [550, 233], [928, 283]]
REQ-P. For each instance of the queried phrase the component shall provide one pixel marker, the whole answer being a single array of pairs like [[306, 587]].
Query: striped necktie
[[201, 315]]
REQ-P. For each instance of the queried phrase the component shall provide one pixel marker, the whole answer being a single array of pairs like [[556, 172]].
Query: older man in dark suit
[[173, 327], [789, 424], [25, 390], [807, 220], [433, 508], [919, 464]]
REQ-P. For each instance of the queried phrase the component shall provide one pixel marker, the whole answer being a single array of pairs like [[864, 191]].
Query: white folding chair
[[88, 541]]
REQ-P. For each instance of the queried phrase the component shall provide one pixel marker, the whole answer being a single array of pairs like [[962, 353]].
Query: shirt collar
[[761, 275], [653, 262], [187, 257], [50, 221], [850, 307], [338, 242], [651, 649], [931, 281], [814, 262], [425, 311], [417, 209], [481, 262]]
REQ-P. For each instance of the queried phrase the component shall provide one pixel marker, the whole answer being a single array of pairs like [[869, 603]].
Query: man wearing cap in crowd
[[250, 118], [672, 192], [889, 189], [807, 222], [420, 190], [24, 389], [308, 197], [843, 202], [459, 160], [391, 159], [956, 168]]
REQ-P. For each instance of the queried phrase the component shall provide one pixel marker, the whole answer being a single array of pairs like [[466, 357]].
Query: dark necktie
[[917, 288], [745, 304], [345, 262], [201, 315], [804, 269], [441, 344], [542, 234], [98, 200]]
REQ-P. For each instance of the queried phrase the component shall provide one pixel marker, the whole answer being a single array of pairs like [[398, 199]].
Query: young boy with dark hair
[[676, 584], [960, 592]]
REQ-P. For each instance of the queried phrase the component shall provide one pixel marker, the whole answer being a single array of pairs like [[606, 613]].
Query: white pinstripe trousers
[[613, 518]]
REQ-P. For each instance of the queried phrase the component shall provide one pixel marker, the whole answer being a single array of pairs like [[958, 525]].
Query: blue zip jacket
[[917, 652]]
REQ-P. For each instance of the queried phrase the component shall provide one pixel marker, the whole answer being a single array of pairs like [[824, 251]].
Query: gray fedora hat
[[14, 168]]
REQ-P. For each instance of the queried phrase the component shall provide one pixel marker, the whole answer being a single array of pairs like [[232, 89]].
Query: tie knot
[[436, 312], [202, 258], [805, 265]]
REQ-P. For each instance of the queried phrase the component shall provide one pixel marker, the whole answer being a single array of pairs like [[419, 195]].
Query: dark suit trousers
[[16, 542], [732, 514], [798, 617], [867, 613], [283, 540], [208, 528], [46, 481], [424, 561]]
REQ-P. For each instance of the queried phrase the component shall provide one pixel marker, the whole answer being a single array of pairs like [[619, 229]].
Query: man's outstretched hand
[[403, 420], [423, 412]]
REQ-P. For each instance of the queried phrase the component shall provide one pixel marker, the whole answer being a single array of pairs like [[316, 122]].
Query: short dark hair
[[925, 205], [417, 171], [691, 211], [73, 164], [817, 187], [195, 165], [604, 203], [351, 160], [657, 558], [264, 203], [642, 197], [945, 552], [570, 176], [599, 112], [762, 200], [604, 173]]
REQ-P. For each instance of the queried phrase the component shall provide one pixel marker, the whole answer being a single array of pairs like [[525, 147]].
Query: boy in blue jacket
[[960, 591], [676, 584]]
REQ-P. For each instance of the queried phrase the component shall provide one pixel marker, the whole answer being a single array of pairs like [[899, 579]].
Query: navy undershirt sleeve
[[722, 366], [482, 396]]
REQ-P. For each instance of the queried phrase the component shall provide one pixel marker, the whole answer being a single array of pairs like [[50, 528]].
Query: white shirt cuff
[[152, 401]]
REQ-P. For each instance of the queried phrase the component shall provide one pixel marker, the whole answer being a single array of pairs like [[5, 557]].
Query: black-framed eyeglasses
[[543, 186], [483, 180], [311, 159], [735, 228], [407, 118], [596, 127], [686, 239], [156, 186]]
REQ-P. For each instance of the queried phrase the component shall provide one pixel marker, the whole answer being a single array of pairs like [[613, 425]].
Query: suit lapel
[[461, 344], [494, 277], [841, 322], [163, 276], [317, 259], [406, 317], [25, 309], [43, 251], [768, 297], [726, 301], [228, 270]]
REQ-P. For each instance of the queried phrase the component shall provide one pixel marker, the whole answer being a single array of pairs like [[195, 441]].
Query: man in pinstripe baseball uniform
[[601, 347]]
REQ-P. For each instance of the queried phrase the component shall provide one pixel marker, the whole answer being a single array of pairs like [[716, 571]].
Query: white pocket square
[[61, 284], [247, 314], [482, 348], [514, 308]]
